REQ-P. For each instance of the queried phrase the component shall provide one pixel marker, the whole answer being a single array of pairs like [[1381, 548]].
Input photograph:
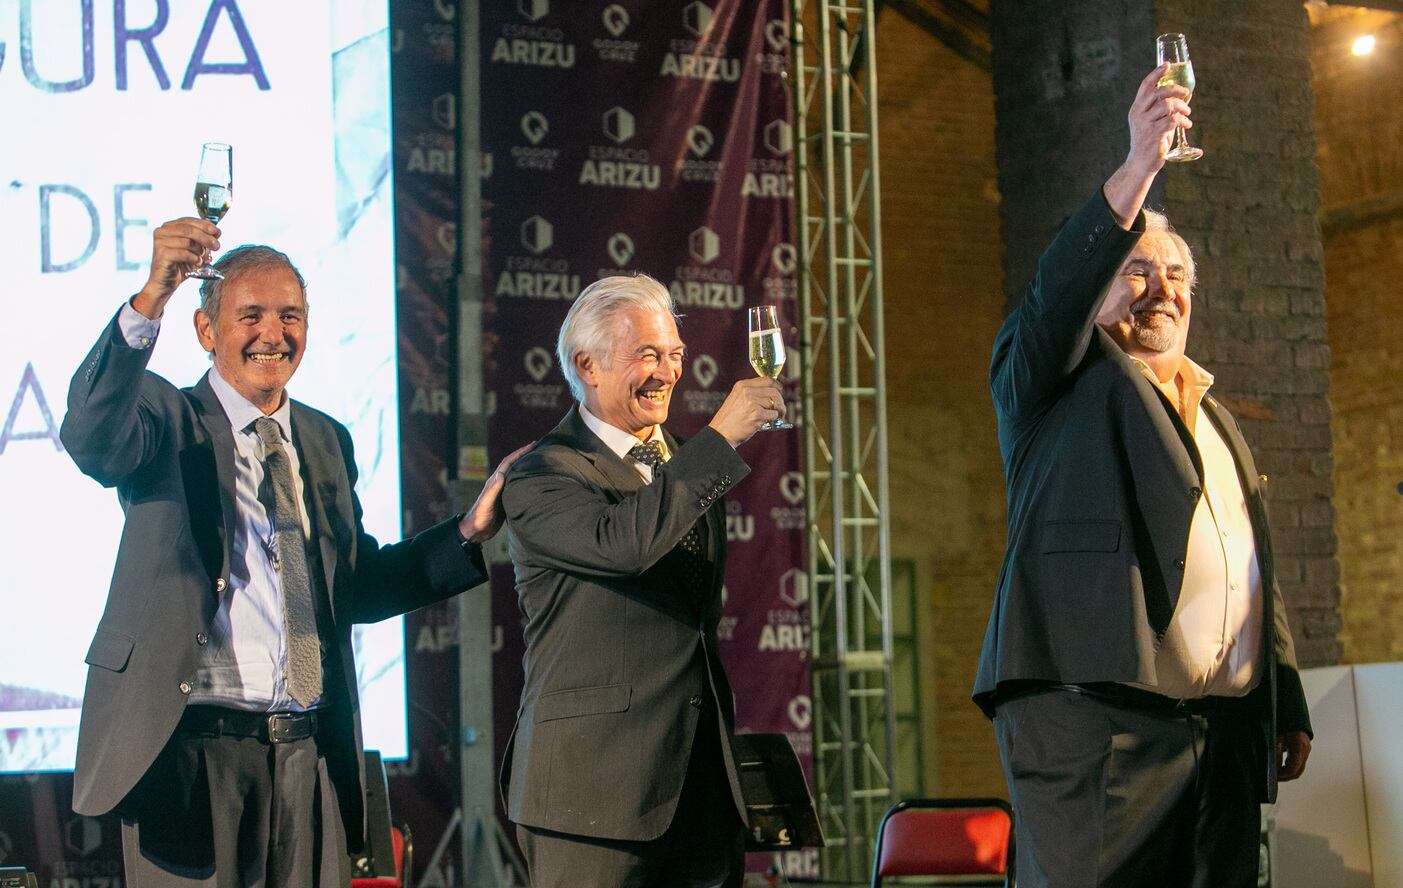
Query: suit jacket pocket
[[1081, 536], [110, 650], [583, 701]]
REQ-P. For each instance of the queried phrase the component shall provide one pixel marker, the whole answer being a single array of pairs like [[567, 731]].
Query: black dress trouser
[[1107, 794], [226, 811]]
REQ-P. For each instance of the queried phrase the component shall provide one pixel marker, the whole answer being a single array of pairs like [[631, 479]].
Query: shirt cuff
[[137, 329]]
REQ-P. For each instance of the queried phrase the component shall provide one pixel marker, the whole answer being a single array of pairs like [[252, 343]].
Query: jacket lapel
[[1169, 428], [315, 445], [613, 471], [221, 438]]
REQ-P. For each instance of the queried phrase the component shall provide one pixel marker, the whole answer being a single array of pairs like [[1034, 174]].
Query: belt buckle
[[282, 727]]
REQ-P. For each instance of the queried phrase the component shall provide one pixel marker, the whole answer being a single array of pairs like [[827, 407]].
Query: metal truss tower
[[845, 422]]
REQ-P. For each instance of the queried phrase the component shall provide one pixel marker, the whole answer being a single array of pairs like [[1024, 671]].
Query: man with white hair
[[621, 770], [1137, 665]]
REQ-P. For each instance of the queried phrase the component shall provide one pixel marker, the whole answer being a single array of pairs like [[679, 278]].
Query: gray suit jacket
[[620, 655], [1103, 478], [169, 453]]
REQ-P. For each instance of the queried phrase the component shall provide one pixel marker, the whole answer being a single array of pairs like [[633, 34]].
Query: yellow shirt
[[1214, 638]]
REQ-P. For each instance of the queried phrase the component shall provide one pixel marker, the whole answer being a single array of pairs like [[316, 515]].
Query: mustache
[[1155, 304]]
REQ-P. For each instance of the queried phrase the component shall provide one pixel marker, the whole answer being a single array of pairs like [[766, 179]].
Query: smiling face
[[258, 337], [1148, 306], [630, 386]]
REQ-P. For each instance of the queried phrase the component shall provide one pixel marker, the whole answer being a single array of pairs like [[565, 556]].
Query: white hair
[[1159, 223], [589, 323]]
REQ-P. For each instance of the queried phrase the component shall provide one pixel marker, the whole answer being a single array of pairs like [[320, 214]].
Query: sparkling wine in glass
[[1173, 49], [214, 192], [767, 352]]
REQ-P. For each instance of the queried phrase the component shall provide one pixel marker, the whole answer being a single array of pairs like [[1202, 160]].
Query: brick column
[[1064, 76]]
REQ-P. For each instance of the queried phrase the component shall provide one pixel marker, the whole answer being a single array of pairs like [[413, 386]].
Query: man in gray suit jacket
[[221, 717], [1137, 665], [621, 770]]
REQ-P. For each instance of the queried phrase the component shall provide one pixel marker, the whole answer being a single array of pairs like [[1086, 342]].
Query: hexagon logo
[[447, 237], [620, 248], [704, 245], [785, 258], [533, 10], [794, 587], [697, 18], [538, 362], [83, 835], [615, 19], [534, 126], [444, 111], [537, 235], [777, 34], [700, 140], [618, 125], [705, 370], [801, 712], [791, 487], [779, 137]]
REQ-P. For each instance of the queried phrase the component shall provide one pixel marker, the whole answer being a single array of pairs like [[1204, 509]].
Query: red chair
[[403, 842], [946, 837]]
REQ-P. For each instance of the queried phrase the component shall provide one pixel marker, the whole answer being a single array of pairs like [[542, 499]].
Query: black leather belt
[[1128, 697], [267, 727]]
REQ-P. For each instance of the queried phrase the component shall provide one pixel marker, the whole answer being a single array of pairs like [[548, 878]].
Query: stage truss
[[844, 422]]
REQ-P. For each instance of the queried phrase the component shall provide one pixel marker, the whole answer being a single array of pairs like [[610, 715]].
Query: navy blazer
[[169, 453], [1102, 481]]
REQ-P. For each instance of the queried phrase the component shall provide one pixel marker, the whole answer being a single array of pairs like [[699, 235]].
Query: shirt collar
[[1195, 377], [242, 412], [615, 438]]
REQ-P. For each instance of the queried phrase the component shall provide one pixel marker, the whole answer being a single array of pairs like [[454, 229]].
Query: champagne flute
[[767, 352], [214, 191], [1173, 49]]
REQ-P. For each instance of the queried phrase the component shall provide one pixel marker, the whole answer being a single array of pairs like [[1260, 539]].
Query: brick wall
[[1359, 126], [1063, 81], [942, 253]]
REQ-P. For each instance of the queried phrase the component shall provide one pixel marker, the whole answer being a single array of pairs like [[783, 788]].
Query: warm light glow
[[1363, 46]]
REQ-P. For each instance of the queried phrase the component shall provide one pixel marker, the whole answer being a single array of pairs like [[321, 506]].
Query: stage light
[[1363, 45]]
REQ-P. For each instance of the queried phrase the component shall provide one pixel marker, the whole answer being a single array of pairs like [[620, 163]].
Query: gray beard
[[1154, 338]]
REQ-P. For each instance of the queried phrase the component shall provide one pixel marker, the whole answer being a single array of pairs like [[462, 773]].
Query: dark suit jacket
[[169, 452], [620, 655], [1103, 478]]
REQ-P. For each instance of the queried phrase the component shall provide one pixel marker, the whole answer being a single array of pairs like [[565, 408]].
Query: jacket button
[[1195, 493], [186, 687], [696, 701], [219, 585], [201, 638], [1179, 563]]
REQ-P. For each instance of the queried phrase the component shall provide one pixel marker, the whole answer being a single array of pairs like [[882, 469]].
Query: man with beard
[[621, 770], [1137, 665]]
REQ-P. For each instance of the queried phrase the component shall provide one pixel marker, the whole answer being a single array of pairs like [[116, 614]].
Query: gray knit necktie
[[691, 560], [304, 657]]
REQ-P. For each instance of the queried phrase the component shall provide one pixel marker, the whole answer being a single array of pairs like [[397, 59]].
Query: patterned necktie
[[304, 657], [690, 559]]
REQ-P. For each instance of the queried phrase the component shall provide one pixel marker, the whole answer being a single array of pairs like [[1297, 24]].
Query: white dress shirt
[[245, 661], [1215, 636], [621, 442]]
